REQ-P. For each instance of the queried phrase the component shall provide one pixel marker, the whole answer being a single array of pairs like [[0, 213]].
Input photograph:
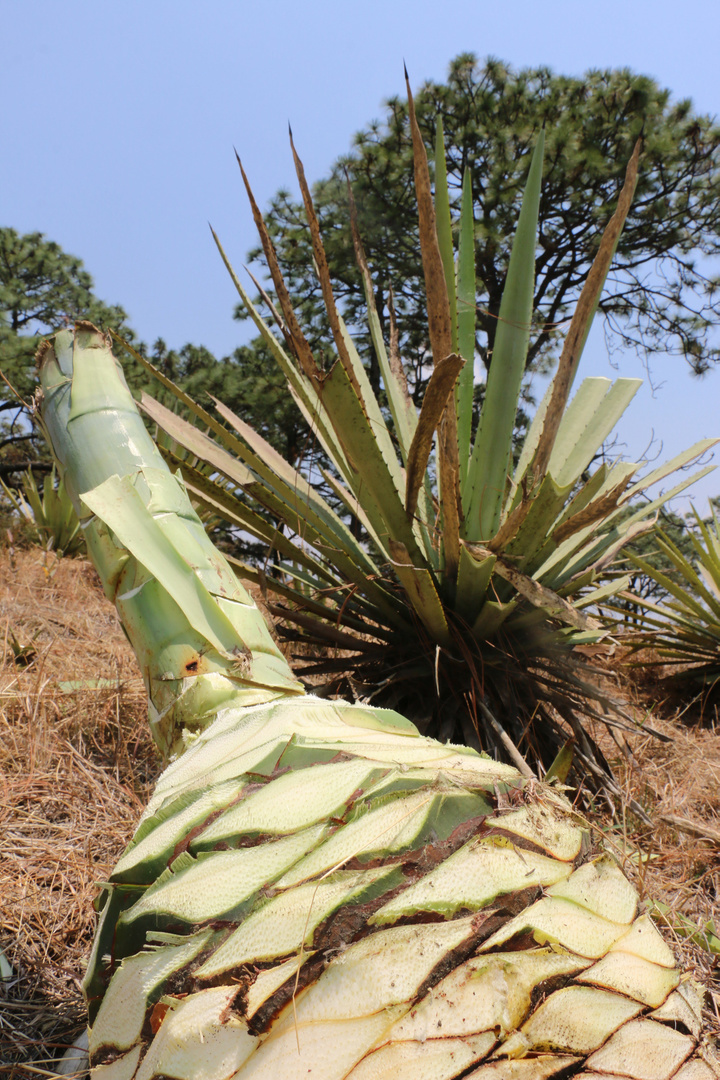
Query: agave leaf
[[372, 407], [583, 317], [538, 595], [277, 466], [537, 525], [687, 571], [356, 443], [302, 388], [605, 480], [655, 504], [422, 593], [371, 479], [436, 290], [589, 419], [562, 763], [595, 511], [466, 326], [541, 441], [521, 484], [678, 462], [352, 504], [314, 520], [444, 230], [401, 405], [484, 495], [280, 588], [492, 615], [347, 354], [226, 437], [596, 596], [213, 497], [323, 273], [441, 343], [290, 489], [296, 338], [474, 576], [439, 388]]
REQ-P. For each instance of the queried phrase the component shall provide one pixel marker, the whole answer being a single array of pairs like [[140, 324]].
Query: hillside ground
[[77, 765]]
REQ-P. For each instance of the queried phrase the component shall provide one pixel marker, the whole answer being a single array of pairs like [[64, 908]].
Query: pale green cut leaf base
[[288, 933]]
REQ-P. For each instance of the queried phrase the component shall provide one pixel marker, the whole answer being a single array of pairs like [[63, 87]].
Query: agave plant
[[315, 888], [684, 630], [473, 571], [52, 514]]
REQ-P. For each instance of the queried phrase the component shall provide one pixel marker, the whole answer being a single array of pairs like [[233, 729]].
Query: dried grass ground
[[77, 764]]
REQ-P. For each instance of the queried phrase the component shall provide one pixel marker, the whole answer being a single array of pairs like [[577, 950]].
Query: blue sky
[[118, 123]]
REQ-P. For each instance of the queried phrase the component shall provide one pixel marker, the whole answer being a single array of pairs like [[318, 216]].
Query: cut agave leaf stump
[[316, 889]]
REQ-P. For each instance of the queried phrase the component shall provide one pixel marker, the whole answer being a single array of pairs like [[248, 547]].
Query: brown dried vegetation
[[77, 765]]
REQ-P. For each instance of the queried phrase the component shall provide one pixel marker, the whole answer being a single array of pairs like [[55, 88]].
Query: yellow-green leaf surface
[[489, 465]]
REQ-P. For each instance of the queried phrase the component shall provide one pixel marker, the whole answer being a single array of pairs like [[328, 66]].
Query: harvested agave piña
[[315, 889]]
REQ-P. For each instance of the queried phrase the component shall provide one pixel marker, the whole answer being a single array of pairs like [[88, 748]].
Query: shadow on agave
[[473, 573]]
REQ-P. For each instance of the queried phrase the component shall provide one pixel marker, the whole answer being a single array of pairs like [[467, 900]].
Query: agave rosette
[[471, 573], [683, 630]]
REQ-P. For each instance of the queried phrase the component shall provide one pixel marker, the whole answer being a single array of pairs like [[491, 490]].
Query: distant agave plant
[[461, 599], [684, 629], [52, 514]]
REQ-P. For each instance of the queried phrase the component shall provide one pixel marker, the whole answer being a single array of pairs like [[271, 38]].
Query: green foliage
[[55, 524], [642, 585], [42, 289], [248, 381], [459, 588], [684, 628], [659, 299]]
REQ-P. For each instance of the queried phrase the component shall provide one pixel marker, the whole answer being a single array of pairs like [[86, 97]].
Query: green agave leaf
[[401, 405], [596, 596], [484, 495], [352, 504], [671, 466], [370, 477], [422, 593], [591, 546], [589, 419], [535, 530], [302, 388], [374, 413], [527, 453], [292, 331], [539, 595], [681, 593], [465, 326], [283, 490], [583, 316], [562, 763], [474, 577], [492, 615], [595, 499], [270, 464], [310, 518]]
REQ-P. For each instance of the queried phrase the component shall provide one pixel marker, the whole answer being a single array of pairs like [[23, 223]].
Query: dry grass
[[76, 769], [677, 782]]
